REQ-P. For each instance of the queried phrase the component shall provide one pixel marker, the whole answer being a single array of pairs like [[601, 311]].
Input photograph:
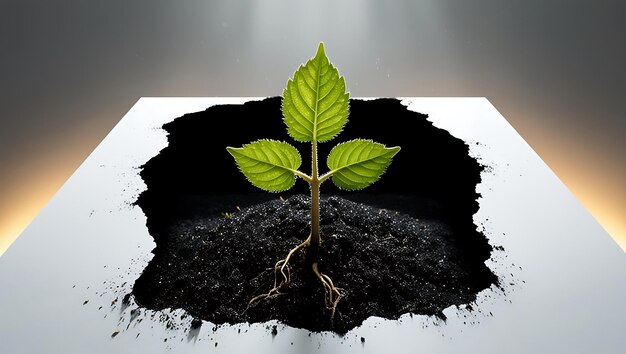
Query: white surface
[[89, 243]]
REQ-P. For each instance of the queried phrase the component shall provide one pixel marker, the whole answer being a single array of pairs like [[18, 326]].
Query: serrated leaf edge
[[234, 150], [332, 172], [319, 55]]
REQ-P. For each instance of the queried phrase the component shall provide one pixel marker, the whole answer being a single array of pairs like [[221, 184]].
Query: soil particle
[[196, 324], [126, 299]]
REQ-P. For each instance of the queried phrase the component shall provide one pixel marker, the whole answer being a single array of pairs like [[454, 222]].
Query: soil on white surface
[[407, 244]]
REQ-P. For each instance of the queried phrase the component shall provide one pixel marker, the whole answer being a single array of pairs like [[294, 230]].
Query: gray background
[[69, 70]]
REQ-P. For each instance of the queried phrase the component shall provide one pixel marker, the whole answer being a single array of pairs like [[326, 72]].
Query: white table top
[[90, 244]]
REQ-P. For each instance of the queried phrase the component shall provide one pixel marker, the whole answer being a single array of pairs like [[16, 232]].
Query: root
[[281, 270], [282, 275], [332, 294]]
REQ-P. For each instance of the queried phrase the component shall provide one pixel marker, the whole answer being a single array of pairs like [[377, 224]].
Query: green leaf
[[358, 163], [268, 164], [315, 102]]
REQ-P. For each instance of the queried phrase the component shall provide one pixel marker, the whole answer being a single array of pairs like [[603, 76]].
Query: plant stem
[[315, 213], [315, 198]]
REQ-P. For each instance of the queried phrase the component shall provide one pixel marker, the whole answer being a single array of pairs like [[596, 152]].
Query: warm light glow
[[599, 198], [10, 230], [587, 171], [13, 222], [34, 184]]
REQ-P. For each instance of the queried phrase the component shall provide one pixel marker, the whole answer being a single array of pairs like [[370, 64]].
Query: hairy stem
[[326, 176], [315, 198], [315, 213]]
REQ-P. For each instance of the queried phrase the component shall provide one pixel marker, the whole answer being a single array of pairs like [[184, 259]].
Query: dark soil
[[408, 244]]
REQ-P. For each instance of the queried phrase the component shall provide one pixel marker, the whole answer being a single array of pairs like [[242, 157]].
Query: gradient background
[[69, 70]]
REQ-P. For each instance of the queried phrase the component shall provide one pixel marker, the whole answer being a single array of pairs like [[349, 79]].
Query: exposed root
[[281, 267], [332, 294], [282, 275]]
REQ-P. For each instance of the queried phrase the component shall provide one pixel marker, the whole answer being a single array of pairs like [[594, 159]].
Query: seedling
[[315, 107]]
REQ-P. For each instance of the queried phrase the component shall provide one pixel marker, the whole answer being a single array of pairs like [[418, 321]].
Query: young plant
[[315, 106]]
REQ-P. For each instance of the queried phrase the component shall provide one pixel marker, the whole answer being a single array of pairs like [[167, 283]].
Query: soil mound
[[388, 262]]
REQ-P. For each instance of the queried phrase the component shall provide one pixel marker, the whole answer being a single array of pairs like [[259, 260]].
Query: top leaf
[[315, 102]]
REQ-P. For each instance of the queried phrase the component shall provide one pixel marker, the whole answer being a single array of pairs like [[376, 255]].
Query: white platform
[[89, 243]]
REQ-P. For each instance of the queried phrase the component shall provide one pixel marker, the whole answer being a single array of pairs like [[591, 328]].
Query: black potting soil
[[407, 244]]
